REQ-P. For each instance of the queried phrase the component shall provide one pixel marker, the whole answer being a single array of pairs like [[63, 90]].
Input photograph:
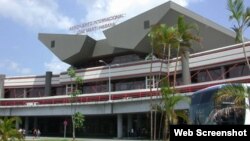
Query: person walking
[[38, 133], [34, 133]]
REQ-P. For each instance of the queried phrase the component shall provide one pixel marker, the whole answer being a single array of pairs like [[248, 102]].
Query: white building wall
[[198, 60]]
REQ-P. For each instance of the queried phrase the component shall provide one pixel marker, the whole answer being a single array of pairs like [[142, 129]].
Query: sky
[[22, 54]]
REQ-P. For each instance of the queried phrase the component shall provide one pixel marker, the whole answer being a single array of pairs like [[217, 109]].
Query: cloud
[[45, 14], [56, 66], [10, 65], [41, 14], [131, 8]]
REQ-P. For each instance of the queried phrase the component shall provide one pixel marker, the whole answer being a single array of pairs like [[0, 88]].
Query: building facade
[[118, 74]]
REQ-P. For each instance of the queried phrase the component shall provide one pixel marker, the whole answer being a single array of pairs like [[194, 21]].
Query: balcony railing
[[115, 96]]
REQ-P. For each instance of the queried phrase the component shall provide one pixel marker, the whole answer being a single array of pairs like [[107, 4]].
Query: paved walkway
[[29, 138]]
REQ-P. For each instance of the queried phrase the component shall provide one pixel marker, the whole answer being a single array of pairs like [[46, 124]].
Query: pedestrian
[[132, 132], [20, 130], [34, 133], [38, 133], [24, 133]]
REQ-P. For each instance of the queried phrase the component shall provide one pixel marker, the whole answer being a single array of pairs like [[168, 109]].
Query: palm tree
[[164, 37], [153, 41], [187, 36], [242, 18], [169, 102], [234, 95], [161, 35], [8, 130], [168, 36]]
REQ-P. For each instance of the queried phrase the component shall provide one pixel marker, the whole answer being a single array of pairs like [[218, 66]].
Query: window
[[96, 87], [129, 84], [70, 88], [237, 70], [207, 75], [153, 81], [146, 24], [150, 57], [52, 44]]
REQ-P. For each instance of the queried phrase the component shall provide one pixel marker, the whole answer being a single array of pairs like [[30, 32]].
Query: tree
[[161, 36], [153, 39], [235, 93], [188, 34], [180, 37], [242, 18], [76, 117], [8, 130], [170, 100], [233, 96], [168, 37]]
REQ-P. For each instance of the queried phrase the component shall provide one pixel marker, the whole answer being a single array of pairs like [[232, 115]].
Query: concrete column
[[24, 92], [48, 78], [17, 125], [130, 123], [186, 77], [35, 122], [138, 119], [2, 78], [26, 125], [45, 125], [119, 126], [223, 72]]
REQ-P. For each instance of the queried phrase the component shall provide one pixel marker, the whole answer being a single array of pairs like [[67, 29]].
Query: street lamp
[[109, 85]]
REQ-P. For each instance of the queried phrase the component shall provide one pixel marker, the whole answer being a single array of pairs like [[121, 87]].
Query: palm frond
[[242, 17], [235, 93], [170, 100], [8, 129], [188, 32], [236, 8], [246, 17], [183, 115], [161, 36]]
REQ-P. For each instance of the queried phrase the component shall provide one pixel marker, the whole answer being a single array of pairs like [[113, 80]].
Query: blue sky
[[21, 53]]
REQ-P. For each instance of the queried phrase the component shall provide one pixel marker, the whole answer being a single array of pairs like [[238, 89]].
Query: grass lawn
[[49, 140]]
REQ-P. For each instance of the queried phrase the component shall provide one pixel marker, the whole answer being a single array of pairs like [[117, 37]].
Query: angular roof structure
[[131, 35]]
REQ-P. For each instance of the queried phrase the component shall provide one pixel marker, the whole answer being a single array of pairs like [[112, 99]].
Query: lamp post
[[109, 85]]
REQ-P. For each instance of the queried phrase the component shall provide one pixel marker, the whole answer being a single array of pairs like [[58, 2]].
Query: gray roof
[[132, 36]]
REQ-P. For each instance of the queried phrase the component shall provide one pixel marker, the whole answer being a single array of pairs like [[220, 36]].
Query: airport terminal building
[[116, 94]]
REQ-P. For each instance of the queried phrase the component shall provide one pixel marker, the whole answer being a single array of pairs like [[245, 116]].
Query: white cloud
[[45, 14], [14, 67], [41, 14], [131, 8], [55, 65]]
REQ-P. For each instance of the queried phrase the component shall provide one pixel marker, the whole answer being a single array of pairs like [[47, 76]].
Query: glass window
[[208, 96], [129, 84], [209, 75], [126, 59], [196, 98], [146, 24], [70, 88], [237, 71], [150, 57], [96, 87], [151, 81], [52, 44], [178, 80]]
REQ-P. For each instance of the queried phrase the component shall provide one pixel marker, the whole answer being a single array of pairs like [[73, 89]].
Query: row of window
[[203, 75]]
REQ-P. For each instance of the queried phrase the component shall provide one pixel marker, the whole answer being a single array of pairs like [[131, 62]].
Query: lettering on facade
[[99, 24]]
